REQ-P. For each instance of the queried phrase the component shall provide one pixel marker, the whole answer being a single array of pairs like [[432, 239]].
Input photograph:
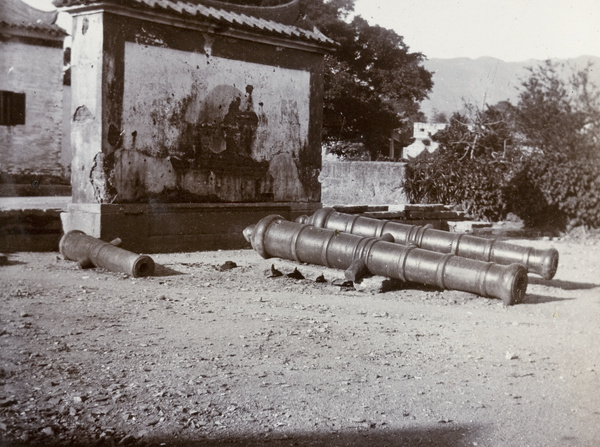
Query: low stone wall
[[362, 182]]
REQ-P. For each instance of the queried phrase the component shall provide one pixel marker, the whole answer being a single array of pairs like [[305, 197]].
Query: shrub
[[475, 184], [565, 193]]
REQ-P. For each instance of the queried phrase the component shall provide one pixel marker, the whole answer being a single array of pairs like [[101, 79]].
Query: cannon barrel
[[273, 236], [543, 262], [87, 250]]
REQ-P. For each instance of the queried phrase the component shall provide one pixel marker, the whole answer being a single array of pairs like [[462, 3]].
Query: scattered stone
[[320, 279], [274, 273], [295, 274], [228, 265], [129, 439], [511, 356], [344, 283], [48, 431], [8, 402]]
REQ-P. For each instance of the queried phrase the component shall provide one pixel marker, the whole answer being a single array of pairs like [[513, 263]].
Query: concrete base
[[176, 227]]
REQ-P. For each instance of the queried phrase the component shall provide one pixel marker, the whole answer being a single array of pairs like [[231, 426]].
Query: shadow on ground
[[448, 435], [163, 270], [565, 285], [540, 299]]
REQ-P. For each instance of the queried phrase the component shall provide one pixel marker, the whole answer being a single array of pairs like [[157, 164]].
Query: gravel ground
[[200, 354]]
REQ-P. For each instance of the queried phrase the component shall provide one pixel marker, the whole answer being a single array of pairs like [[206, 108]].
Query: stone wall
[[359, 182], [185, 131], [169, 115], [36, 147]]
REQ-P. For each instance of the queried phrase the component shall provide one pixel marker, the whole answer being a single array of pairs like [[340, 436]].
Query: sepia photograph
[[299, 223]]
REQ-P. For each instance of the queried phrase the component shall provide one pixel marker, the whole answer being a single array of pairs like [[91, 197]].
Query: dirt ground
[[199, 355]]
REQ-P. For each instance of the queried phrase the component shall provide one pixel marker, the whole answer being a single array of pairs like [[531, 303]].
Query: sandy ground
[[198, 355]]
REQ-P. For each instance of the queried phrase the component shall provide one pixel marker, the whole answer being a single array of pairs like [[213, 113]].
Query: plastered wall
[[36, 147], [168, 115], [214, 127], [360, 183]]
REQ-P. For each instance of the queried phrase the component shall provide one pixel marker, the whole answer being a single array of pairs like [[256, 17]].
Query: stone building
[[191, 120], [31, 100]]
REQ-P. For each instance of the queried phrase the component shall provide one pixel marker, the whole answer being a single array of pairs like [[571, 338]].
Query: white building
[[423, 133]]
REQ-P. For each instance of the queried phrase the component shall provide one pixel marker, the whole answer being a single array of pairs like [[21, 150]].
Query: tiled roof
[[19, 15], [218, 16]]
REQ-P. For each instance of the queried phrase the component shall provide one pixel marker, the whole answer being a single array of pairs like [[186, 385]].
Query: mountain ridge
[[485, 80]]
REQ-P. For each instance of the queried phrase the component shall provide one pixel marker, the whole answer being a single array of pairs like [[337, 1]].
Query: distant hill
[[485, 80]]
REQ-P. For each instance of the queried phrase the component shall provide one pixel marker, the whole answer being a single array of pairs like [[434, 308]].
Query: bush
[[475, 184], [524, 197], [564, 194]]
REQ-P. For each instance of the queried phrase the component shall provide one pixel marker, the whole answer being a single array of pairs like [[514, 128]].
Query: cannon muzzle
[[274, 236], [543, 262], [89, 251]]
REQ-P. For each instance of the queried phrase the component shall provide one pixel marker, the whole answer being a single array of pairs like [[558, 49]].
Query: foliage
[[348, 150], [562, 194], [373, 83], [539, 159], [558, 120], [555, 110], [470, 167]]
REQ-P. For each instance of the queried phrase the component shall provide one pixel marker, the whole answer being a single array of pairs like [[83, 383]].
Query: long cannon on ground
[[543, 262], [274, 236], [89, 251]]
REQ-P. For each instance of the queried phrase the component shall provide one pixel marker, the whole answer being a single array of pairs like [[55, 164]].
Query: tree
[[470, 167], [558, 120], [373, 83], [559, 114]]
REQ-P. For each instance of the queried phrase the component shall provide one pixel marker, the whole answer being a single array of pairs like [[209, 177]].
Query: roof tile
[[212, 14]]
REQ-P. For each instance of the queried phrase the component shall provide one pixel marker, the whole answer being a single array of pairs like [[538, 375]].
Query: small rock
[[295, 274], [320, 278], [273, 273], [48, 431], [7, 403], [152, 421], [511, 356], [228, 265], [129, 439], [342, 283]]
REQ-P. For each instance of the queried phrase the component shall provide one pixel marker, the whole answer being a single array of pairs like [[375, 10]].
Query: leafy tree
[[439, 117], [539, 159], [373, 83], [558, 113], [471, 166], [558, 121]]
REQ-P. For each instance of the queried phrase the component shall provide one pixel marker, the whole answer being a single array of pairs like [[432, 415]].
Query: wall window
[[12, 108]]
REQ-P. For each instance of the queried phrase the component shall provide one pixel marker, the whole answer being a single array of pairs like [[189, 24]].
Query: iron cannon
[[89, 251], [543, 262], [274, 236]]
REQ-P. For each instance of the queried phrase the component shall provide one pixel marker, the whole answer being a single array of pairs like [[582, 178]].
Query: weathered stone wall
[[187, 116], [364, 183], [36, 147]]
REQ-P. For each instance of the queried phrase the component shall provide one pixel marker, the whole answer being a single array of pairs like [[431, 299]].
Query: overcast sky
[[512, 30]]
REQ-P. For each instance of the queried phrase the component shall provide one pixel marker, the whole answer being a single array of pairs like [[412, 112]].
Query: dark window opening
[[12, 108]]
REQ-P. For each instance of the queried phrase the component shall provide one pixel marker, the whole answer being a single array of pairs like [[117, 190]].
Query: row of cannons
[[413, 254], [363, 246]]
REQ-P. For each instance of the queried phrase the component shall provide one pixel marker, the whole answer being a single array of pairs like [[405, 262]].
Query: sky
[[511, 30]]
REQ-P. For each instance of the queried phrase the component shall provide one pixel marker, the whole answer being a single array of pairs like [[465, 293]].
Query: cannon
[[273, 236], [89, 251], [543, 262]]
